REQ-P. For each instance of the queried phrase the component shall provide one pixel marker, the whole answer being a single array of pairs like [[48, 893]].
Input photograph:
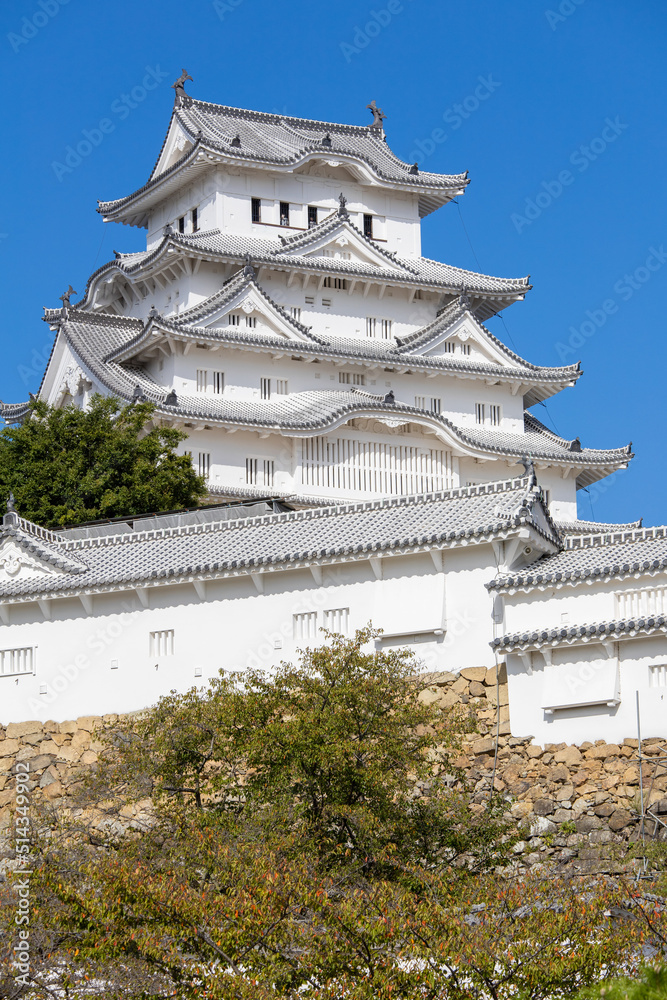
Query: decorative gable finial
[[326, 141], [378, 116], [248, 270], [168, 231], [153, 314], [11, 517], [138, 396], [529, 469], [414, 169], [236, 141], [65, 299], [389, 397], [342, 207], [464, 298], [181, 99]]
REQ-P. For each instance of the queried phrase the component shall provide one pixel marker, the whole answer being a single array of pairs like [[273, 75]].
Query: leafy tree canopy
[[70, 465]]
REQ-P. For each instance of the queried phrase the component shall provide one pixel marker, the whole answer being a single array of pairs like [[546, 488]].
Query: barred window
[[337, 620], [304, 625], [259, 471], [14, 662], [161, 643]]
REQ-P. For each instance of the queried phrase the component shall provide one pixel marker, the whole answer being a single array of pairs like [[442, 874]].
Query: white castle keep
[[371, 438]]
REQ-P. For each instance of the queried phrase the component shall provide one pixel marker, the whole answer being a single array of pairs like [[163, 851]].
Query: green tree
[[69, 465]]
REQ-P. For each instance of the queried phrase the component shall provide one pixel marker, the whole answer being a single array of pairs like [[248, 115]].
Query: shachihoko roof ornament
[[11, 517], [181, 99], [378, 116], [65, 299], [342, 207]]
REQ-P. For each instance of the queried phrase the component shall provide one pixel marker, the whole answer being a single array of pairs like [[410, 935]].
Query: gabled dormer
[[29, 553], [176, 145], [242, 306], [336, 238]]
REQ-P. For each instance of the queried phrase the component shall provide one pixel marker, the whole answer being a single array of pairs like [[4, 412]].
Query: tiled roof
[[282, 141], [353, 348], [96, 338], [570, 634], [594, 527], [451, 314], [491, 293], [39, 543], [274, 541], [597, 556]]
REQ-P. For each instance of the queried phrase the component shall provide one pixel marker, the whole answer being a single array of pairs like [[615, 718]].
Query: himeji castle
[[370, 440]]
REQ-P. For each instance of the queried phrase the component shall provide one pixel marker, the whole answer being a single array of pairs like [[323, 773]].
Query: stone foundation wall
[[569, 801]]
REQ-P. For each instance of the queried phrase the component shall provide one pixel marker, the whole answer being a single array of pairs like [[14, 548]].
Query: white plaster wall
[[223, 199], [583, 603], [593, 722], [234, 627]]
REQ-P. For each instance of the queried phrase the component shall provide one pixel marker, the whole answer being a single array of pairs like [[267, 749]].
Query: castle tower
[[283, 316]]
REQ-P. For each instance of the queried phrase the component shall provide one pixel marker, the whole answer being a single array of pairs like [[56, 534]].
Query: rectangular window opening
[[218, 382], [204, 464], [368, 226], [284, 213], [480, 413], [351, 378], [259, 471], [295, 312], [195, 220], [312, 216], [14, 662], [256, 210], [657, 675], [202, 380], [181, 224], [304, 625], [337, 620], [494, 415], [161, 643]]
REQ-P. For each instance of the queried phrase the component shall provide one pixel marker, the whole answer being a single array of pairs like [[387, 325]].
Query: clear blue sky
[[542, 88]]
